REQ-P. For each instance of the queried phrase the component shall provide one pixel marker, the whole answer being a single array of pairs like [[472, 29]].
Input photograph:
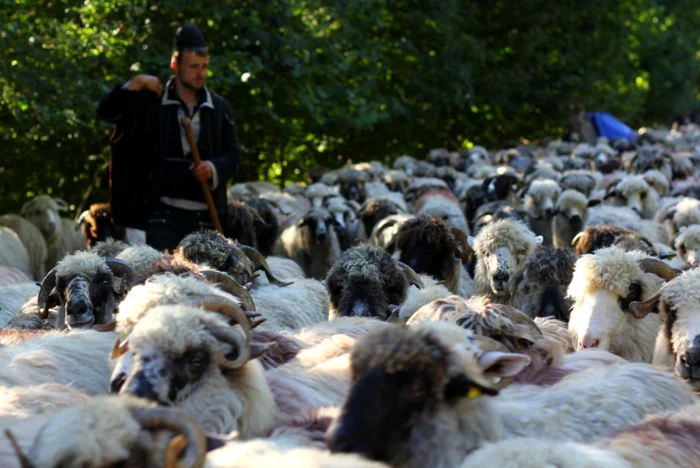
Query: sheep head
[[366, 280], [495, 211], [352, 184], [687, 245], [405, 380], [430, 247], [97, 225], [87, 287], [376, 209], [502, 250], [213, 250], [397, 180], [678, 344], [439, 157], [43, 212], [685, 213], [600, 236], [541, 198], [603, 287], [635, 193], [178, 351]]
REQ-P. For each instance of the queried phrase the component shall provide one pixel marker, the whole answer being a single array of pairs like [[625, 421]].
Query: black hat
[[189, 37]]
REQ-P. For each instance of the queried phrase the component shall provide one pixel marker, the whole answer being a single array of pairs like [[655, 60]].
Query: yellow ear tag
[[473, 392]]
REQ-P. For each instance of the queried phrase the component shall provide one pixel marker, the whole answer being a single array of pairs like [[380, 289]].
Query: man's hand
[[202, 172], [140, 82]]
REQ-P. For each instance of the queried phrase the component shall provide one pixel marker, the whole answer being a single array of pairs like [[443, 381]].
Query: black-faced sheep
[[502, 250], [86, 288], [376, 209], [97, 224], [348, 226], [60, 235], [33, 241], [430, 247], [366, 280], [352, 184], [432, 404], [571, 214], [546, 277], [603, 287], [312, 242], [213, 250]]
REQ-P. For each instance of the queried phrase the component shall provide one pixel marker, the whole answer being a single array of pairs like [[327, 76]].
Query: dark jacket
[[146, 153]]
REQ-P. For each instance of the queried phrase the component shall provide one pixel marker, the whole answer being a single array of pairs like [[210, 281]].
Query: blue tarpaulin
[[609, 126]]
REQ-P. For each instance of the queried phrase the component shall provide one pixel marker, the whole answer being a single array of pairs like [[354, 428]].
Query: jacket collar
[[170, 96]]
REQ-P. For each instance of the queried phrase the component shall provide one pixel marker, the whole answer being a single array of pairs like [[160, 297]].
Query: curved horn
[[80, 220], [231, 286], [241, 352], [467, 251], [165, 418], [119, 267], [411, 275], [657, 267], [576, 238], [260, 263], [226, 307], [106, 327], [45, 288], [642, 309]]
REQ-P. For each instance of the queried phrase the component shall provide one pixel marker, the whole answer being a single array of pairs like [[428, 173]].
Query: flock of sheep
[[527, 307]]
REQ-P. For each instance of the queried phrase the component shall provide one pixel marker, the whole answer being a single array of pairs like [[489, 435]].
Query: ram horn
[[642, 309], [45, 291], [260, 263], [658, 267], [119, 267], [227, 307], [411, 276], [231, 286], [576, 238], [195, 449], [241, 352]]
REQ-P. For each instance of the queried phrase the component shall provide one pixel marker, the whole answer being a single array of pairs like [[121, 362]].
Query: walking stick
[[197, 161]]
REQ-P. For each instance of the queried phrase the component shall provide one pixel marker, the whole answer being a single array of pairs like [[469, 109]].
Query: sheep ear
[[594, 202], [62, 204], [471, 240], [499, 364], [539, 240]]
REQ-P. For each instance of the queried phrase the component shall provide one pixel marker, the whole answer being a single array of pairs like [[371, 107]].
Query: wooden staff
[[187, 125]]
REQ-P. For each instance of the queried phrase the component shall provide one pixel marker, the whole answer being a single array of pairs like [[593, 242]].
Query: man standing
[[150, 148]]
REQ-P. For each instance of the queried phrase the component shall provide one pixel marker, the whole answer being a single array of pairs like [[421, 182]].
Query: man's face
[[192, 71]]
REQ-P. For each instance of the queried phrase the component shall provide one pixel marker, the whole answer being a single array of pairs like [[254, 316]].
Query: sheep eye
[[522, 252], [415, 390], [197, 361]]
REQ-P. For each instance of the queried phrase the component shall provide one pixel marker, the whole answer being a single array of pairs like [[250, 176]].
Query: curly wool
[[542, 189], [657, 181], [505, 233], [140, 258], [687, 213], [208, 248], [608, 268], [572, 200], [85, 263], [109, 248]]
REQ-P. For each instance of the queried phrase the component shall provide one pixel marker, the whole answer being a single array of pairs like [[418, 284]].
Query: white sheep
[[431, 403], [571, 214], [33, 241], [60, 234], [13, 254], [635, 193], [285, 269], [292, 307], [687, 245], [604, 285], [140, 258], [34, 400], [540, 199]]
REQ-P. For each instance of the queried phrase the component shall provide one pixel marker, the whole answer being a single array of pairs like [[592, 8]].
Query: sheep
[[212, 250], [97, 224], [34, 400], [443, 205], [625, 217], [33, 241], [545, 279], [385, 230], [677, 341], [243, 223], [285, 269], [635, 193], [494, 211], [317, 193], [580, 180], [439, 157], [301, 304], [87, 289], [687, 245], [571, 214], [597, 237], [396, 180], [140, 258], [540, 199], [352, 184], [12, 298], [349, 228], [79, 359], [366, 280], [9, 276], [110, 431], [60, 235], [683, 214], [652, 157], [431, 403], [376, 209], [429, 246], [266, 233], [311, 241], [603, 287], [416, 298], [288, 206], [502, 250], [13, 254], [657, 181], [402, 162], [109, 248]]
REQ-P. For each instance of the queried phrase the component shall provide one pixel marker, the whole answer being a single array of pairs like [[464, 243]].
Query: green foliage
[[327, 82]]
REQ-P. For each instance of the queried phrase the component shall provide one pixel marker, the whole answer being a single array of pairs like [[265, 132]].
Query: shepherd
[[156, 178]]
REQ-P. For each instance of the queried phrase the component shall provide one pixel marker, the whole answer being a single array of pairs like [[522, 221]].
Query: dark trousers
[[167, 226]]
